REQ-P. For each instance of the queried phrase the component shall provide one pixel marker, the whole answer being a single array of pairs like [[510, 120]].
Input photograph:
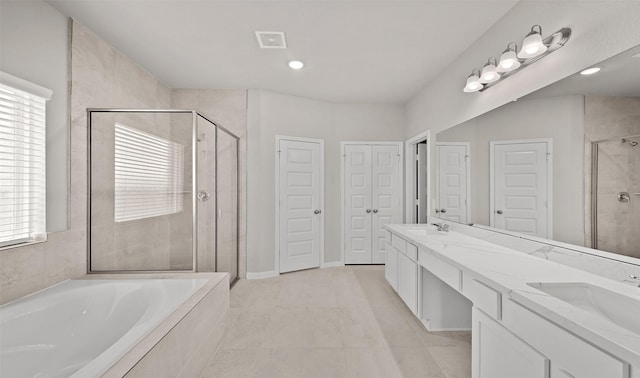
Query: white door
[[300, 215], [357, 201], [385, 196], [371, 200], [423, 186], [520, 187], [453, 169]]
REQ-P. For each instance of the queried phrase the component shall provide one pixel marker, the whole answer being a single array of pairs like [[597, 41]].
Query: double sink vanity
[[529, 316]]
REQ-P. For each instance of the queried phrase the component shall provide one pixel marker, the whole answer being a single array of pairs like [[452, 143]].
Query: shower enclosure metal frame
[[194, 183], [594, 185]]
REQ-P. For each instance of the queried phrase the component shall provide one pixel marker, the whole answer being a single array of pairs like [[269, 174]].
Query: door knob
[[203, 195], [443, 211], [375, 211], [317, 211], [499, 211], [368, 211]]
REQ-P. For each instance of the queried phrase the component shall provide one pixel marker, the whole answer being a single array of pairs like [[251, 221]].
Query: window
[[149, 175], [22, 161]]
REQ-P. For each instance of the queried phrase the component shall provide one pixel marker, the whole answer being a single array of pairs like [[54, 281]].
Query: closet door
[[385, 196], [357, 201]]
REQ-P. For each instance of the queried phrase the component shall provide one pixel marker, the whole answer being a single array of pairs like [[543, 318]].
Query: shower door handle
[[203, 195]]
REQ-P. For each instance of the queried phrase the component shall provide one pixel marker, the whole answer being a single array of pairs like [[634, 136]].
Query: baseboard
[[261, 275], [332, 264]]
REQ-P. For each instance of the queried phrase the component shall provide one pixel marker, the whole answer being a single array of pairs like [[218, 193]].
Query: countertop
[[509, 271]]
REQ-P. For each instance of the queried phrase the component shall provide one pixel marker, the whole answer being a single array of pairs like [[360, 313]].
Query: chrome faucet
[[442, 226], [632, 280]]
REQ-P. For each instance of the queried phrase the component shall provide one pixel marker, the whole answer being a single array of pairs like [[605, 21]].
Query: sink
[[426, 230], [606, 304]]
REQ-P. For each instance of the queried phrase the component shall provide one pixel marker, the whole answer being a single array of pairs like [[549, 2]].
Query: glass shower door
[[227, 204], [141, 203], [616, 210]]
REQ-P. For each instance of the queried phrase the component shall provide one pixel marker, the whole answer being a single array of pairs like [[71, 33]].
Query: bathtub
[[94, 327]]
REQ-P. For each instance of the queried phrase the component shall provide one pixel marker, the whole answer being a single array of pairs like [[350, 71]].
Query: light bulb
[[508, 61], [296, 64], [590, 71], [489, 73], [473, 83], [532, 45]]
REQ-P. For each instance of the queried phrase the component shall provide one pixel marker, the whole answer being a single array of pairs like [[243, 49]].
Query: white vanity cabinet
[[391, 266], [569, 355], [449, 289], [401, 270], [408, 282], [498, 353]]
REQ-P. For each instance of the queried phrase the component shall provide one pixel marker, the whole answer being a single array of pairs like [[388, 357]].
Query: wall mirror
[[562, 163]]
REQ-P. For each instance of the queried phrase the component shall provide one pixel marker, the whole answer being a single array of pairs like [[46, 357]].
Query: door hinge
[[548, 155], [417, 202]]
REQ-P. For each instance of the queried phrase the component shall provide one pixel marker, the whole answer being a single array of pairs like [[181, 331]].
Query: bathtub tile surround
[[332, 322]]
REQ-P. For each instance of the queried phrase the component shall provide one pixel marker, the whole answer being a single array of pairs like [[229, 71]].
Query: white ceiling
[[355, 51]]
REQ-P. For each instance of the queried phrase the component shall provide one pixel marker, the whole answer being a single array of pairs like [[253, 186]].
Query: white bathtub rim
[[127, 362], [115, 352], [129, 359]]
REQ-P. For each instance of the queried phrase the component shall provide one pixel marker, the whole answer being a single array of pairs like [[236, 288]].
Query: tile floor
[[334, 322]]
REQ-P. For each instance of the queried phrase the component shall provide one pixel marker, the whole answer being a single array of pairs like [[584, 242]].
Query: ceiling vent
[[271, 40]]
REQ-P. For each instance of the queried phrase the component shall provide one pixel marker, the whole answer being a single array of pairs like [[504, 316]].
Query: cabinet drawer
[[441, 269], [569, 354], [484, 297], [412, 252], [399, 243]]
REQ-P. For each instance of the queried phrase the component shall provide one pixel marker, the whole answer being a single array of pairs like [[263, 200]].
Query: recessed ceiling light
[[296, 64], [590, 71]]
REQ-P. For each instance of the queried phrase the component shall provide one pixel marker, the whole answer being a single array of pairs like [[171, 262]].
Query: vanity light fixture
[[590, 71], [532, 45], [489, 73], [533, 48], [508, 60], [296, 64], [473, 82]]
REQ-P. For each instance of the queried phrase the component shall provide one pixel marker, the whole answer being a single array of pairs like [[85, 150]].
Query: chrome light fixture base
[[551, 44]]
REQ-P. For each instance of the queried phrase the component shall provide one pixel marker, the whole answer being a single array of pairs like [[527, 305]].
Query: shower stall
[[162, 192], [615, 195]]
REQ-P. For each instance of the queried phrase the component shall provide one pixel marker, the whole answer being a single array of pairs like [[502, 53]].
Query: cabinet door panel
[[391, 267], [408, 282], [497, 353]]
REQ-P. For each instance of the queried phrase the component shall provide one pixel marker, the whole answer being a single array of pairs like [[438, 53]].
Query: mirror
[[532, 165]]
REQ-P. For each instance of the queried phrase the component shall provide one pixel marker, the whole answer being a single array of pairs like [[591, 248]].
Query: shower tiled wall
[[619, 171], [100, 76]]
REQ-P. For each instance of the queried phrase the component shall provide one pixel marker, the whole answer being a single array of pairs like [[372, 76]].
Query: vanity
[[529, 316]]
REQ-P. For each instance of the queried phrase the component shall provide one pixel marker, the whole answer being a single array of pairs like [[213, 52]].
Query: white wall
[[600, 29], [558, 118], [33, 41], [272, 114]]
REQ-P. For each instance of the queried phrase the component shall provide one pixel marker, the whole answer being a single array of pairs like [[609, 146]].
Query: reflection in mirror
[[532, 165]]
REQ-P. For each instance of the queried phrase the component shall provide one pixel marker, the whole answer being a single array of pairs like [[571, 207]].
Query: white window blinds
[[22, 162], [149, 175]]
